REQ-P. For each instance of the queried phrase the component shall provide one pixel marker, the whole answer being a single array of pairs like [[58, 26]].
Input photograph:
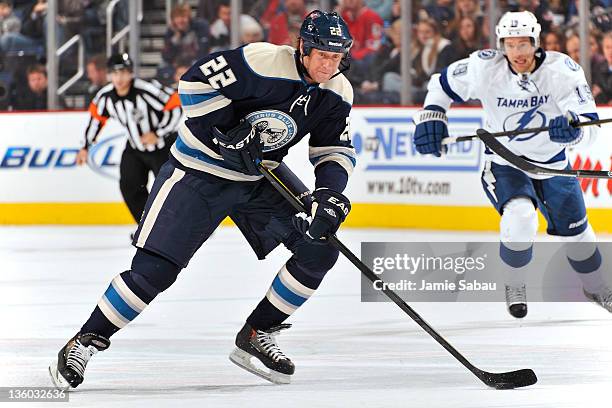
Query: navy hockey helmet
[[325, 32], [119, 61]]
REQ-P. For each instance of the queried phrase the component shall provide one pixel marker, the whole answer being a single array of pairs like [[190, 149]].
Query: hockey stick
[[455, 139], [489, 140], [507, 380]]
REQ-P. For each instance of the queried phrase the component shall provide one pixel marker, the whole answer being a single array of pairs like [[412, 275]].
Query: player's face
[[520, 53], [121, 79], [322, 65]]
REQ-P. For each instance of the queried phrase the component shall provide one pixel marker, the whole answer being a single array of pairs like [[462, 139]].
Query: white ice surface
[[347, 353]]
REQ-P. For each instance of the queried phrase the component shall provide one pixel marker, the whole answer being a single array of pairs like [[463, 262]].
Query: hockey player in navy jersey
[[242, 106], [521, 86]]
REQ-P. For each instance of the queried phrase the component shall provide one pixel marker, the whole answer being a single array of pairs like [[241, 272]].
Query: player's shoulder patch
[[341, 86], [571, 64], [487, 54], [563, 64], [460, 69], [271, 61]]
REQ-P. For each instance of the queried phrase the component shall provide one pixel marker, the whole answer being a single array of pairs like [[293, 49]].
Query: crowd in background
[[443, 31]]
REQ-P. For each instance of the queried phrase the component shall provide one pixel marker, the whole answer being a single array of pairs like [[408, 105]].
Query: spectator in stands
[[441, 11], [7, 15], [381, 7], [464, 8], [572, 47], [432, 53], [180, 67], [185, 37], [34, 97], [467, 39], [541, 10], [553, 41], [365, 27], [602, 74], [11, 39], [34, 21], [220, 28], [97, 76], [596, 55], [383, 83], [250, 30], [285, 25]]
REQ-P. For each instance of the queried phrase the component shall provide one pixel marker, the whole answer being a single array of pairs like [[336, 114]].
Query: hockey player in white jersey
[[522, 86]]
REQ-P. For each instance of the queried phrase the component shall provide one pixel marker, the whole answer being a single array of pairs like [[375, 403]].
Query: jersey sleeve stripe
[[186, 87], [447, 88], [347, 163], [194, 99], [206, 107]]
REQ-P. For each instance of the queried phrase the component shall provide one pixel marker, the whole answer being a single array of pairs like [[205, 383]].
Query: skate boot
[[261, 344], [603, 298], [69, 369], [516, 300]]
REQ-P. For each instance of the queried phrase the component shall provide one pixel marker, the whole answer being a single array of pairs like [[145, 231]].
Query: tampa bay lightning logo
[[571, 64], [486, 54], [524, 120], [276, 128]]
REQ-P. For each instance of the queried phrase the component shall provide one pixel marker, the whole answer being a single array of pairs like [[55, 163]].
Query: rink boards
[[392, 185]]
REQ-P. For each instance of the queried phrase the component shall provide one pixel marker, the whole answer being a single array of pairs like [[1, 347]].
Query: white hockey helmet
[[518, 24]]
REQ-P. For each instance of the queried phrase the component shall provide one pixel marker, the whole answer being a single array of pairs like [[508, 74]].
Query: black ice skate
[[516, 300], [261, 344], [69, 369], [603, 298]]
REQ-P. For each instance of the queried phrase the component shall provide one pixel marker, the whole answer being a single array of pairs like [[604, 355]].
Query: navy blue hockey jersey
[[260, 82]]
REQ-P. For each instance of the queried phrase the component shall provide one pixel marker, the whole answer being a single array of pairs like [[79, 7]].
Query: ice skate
[[603, 298], [261, 344], [69, 369], [516, 300]]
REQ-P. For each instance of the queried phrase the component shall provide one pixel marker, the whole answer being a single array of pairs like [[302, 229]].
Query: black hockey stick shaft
[[502, 151], [520, 378], [517, 132]]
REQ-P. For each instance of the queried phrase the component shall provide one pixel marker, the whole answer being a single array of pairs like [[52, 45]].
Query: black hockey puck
[[504, 386]]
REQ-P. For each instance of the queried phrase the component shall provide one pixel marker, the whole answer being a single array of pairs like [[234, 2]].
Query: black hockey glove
[[241, 147], [329, 210]]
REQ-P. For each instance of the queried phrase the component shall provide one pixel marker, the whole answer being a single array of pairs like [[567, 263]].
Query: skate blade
[[58, 381], [243, 360]]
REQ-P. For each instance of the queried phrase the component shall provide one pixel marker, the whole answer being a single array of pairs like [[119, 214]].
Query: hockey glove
[[561, 129], [241, 147], [329, 210], [431, 127]]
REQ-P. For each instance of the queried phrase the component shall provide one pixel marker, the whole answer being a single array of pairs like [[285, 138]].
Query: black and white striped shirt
[[148, 107]]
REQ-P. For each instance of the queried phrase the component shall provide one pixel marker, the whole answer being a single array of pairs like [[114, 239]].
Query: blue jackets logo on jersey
[[277, 128], [523, 120]]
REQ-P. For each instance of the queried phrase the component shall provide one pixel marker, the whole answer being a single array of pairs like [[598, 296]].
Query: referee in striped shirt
[[150, 114]]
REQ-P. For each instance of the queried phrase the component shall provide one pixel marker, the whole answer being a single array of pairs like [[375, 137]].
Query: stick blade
[[510, 380]]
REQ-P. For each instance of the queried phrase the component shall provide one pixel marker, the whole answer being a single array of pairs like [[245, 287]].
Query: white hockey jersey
[[517, 101]]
